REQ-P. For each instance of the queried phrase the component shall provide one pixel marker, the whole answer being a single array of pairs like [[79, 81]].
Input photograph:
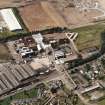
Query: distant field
[[89, 36], [102, 102]]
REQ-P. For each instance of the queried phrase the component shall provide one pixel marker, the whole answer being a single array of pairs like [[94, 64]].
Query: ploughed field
[[40, 15]]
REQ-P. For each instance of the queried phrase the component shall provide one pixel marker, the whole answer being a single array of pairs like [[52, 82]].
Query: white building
[[10, 19], [39, 40]]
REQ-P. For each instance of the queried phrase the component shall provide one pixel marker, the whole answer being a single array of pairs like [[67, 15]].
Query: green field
[[102, 102], [89, 36], [22, 95]]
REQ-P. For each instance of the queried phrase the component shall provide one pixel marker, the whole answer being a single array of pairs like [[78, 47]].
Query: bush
[[81, 61], [102, 50]]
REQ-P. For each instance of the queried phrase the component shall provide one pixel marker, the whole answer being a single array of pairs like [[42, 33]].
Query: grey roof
[[11, 75]]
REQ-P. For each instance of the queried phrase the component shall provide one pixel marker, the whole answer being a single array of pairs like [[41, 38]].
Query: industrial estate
[[52, 52]]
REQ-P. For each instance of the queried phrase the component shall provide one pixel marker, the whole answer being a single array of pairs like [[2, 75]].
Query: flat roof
[[10, 19]]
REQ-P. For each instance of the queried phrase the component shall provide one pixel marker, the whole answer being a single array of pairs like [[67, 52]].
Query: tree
[[103, 62], [75, 100], [88, 67], [102, 50]]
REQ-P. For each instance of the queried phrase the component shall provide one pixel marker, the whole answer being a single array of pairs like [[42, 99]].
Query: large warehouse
[[10, 19]]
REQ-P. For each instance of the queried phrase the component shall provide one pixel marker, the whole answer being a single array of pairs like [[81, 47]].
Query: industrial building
[[11, 76], [10, 19]]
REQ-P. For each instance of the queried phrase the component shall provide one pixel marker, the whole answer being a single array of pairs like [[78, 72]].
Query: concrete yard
[[39, 63]]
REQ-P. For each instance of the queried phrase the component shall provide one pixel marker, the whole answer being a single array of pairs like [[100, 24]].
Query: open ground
[[89, 36], [45, 13], [41, 15], [77, 15]]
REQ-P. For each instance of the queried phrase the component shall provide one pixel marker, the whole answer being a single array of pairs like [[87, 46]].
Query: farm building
[[10, 19]]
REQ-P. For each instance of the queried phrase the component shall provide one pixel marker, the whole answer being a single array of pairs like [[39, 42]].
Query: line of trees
[[81, 61], [5, 37], [102, 49]]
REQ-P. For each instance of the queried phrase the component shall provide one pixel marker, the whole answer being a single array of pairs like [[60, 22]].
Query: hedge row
[[4, 37], [80, 61]]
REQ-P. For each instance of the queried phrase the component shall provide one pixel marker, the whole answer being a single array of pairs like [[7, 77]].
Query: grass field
[[102, 102], [22, 95], [89, 36]]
